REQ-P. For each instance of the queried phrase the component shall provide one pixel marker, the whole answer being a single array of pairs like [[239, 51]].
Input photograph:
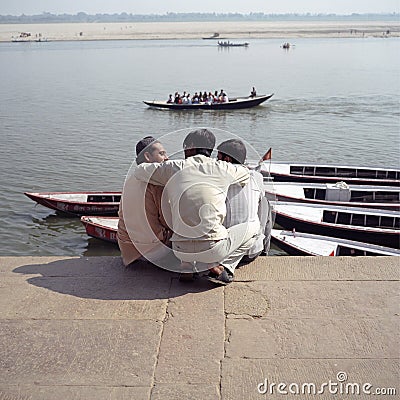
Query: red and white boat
[[382, 197], [298, 172], [306, 244], [79, 203], [381, 227], [104, 228]]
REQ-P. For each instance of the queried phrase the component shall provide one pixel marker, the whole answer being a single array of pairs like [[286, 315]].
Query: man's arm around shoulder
[[157, 173]]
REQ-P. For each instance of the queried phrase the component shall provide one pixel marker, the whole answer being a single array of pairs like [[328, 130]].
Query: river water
[[71, 113]]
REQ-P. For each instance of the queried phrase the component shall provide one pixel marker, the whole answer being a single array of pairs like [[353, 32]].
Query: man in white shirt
[[196, 190], [246, 203]]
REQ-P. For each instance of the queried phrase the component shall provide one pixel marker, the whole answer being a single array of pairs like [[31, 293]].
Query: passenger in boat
[[246, 203], [170, 99], [177, 97], [216, 99], [142, 228], [253, 92], [224, 98], [196, 189], [189, 99], [195, 99]]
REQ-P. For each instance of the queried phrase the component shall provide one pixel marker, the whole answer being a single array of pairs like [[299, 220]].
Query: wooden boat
[[368, 225], [104, 228], [306, 244], [298, 172], [383, 197], [79, 203], [213, 36], [230, 44], [232, 104]]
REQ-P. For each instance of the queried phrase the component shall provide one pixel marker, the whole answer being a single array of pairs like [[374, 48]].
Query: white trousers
[[226, 252]]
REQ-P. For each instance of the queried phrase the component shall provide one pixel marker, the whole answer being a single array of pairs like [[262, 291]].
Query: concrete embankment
[[88, 328]]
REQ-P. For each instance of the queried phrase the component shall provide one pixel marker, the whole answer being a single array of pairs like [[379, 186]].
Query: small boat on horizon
[[233, 104], [79, 203], [381, 227], [306, 244], [213, 36], [299, 172], [339, 193]]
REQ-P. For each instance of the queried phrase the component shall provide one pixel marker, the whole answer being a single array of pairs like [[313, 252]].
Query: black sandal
[[224, 278]]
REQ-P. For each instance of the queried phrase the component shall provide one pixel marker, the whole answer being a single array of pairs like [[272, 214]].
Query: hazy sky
[[29, 7]]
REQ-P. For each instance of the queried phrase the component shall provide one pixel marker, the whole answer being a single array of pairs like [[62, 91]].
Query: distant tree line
[[46, 17]]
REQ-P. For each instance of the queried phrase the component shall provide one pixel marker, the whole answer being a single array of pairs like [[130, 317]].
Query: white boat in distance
[[306, 244], [382, 197], [367, 225], [299, 172]]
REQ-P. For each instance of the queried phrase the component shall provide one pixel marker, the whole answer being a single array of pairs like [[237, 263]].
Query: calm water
[[71, 113]]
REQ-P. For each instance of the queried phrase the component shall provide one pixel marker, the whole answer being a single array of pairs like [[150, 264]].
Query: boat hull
[[380, 206], [334, 179], [272, 193], [288, 248], [311, 173], [233, 45], [379, 237], [305, 244], [231, 105], [99, 230], [73, 208]]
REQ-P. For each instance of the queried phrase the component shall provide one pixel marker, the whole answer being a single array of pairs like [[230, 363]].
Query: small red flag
[[267, 155], [332, 254]]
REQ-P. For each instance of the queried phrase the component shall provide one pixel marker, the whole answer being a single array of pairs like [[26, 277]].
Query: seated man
[[142, 230], [246, 203], [196, 189]]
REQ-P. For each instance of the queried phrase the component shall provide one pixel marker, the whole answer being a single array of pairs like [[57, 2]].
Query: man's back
[[248, 204], [196, 189]]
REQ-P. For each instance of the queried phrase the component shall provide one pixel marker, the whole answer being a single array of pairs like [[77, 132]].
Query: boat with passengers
[[235, 103]]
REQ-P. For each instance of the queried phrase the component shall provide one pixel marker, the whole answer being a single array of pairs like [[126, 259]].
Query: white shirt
[[248, 204], [196, 190]]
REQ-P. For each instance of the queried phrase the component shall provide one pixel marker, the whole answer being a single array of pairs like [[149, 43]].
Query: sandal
[[224, 278]]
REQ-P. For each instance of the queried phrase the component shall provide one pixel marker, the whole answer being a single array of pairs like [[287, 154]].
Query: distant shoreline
[[196, 30]]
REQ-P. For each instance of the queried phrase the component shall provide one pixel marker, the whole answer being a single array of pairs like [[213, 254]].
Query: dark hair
[[201, 140], [235, 149], [142, 146]]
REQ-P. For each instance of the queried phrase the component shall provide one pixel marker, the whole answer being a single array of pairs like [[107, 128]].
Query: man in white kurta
[[246, 203]]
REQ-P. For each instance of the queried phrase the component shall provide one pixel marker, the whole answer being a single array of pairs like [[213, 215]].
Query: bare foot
[[217, 270]]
